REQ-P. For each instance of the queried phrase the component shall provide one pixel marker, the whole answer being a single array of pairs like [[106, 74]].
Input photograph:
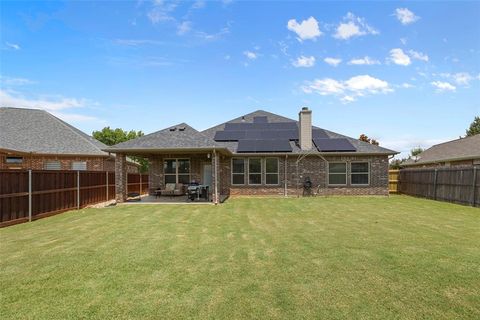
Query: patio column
[[215, 196], [120, 177], [155, 173]]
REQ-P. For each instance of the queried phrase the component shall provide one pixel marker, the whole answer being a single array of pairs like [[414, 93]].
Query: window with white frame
[[238, 171], [52, 165], [337, 173], [79, 165], [14, 160], [176, 170], [360, 173], [271, 170], [254, 171]]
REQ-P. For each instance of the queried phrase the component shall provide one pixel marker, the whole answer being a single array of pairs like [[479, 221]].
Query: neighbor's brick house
[[260, 153], [35, 139]]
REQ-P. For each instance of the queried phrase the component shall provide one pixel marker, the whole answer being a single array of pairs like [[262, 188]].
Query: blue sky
[[405, 73]]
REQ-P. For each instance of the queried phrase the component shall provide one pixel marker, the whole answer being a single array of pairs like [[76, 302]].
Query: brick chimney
[[305, 129]]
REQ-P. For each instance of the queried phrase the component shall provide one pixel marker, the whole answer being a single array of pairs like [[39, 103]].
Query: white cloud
[[56, 105], [184, 27], [212, 36], [443, 86], [305, 62], [407, 85], [250, 55], [460, 78], [349, 90], [418, 55], [405, 16], [353, 26], [397, 56], [9, 81], [13, 46], [199, 4], [161, 11], [306, 30], [364, 61], [403, 41], [332, 61]]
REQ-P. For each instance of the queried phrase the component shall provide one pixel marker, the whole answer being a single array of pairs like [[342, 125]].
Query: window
[[271, 171], [255, 171], [14, 160], [337, 173], [53, 165], [238, 171], [79, 165], [360, 173], [176, 171]]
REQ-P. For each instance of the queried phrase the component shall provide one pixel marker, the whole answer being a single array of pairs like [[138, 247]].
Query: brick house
[[458, 152], [35, 139], [260, 153]]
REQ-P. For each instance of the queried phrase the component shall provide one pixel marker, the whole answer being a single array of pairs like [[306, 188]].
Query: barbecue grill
[[196, 191], [307, 187]]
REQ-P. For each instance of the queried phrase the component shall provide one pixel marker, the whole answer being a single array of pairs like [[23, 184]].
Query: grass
[[325, 258]]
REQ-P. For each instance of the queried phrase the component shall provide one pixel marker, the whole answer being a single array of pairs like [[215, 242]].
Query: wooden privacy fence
[[393, 181], [459, 185], [27, 195]]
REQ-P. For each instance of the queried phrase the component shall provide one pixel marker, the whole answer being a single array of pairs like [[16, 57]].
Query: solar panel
[[264, 146], [333, 145], [319, 133], [229, 135], [261, 119], [260, 126]]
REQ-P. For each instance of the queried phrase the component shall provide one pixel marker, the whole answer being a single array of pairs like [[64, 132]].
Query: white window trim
[[272, 173], [261, 172], [176, 169], [352, 173], [15, 162], [244, 171], [52, 161], [74, 162], [328, 174]]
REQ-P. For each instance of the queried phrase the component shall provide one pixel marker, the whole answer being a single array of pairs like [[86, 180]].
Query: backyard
[[330, 258]]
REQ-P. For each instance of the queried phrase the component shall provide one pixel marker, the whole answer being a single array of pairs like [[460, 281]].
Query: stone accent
[[37, 162], [120, 177]]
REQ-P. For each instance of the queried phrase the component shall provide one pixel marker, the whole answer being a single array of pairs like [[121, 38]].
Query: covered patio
[[183, 166]]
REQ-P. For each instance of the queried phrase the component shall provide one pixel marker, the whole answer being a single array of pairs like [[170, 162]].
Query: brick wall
[[316, 169], [37, 162]]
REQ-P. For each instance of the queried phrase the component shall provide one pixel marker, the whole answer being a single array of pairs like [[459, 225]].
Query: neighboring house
[[260, 153], [35, 139], [459, 152]]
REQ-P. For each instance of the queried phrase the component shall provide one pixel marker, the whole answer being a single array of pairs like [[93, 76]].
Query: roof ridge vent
[[173, 129]]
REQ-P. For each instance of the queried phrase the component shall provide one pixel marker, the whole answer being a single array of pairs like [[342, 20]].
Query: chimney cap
[[304, 108]]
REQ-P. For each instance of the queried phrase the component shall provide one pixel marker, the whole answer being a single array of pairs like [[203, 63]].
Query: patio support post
[[29, 195], [215, 179], [120, 177], [285, 193]]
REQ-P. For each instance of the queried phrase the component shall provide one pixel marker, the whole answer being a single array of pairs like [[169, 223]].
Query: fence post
[[78, 190], [435, 184], [106, 174], [30, 195], [474, 185], [141, 186]]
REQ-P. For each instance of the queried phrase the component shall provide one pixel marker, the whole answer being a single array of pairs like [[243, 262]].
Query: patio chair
[[172, 189]]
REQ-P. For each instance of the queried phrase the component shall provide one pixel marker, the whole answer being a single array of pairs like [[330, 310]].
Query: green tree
[[111, 137], [365, 138], [416, 151], [474, 127]]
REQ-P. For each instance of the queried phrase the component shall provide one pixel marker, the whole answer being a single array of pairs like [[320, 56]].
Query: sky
[[404, 73]]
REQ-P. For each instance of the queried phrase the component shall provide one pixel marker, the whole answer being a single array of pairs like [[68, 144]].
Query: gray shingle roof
[[362, 147], [459, 149], [37, 131], [171, 138]]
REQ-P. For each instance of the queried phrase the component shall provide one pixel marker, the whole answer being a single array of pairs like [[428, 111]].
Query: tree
[[474, 127], [365, 138], [113, 136], [416, 151]]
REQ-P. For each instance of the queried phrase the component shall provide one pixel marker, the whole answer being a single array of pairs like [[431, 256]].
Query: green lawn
[[325, 258]]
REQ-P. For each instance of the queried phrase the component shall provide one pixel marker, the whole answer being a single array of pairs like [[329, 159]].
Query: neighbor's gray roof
[[37, 131], [459, 149], [166, 139], [362, 147]]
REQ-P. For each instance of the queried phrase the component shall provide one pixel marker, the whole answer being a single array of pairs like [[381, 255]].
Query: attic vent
[[173, 129], [181, 129]]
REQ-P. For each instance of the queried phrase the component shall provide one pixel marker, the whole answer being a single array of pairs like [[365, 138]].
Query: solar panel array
[[334, 145], [263, 136], [264, 146]]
